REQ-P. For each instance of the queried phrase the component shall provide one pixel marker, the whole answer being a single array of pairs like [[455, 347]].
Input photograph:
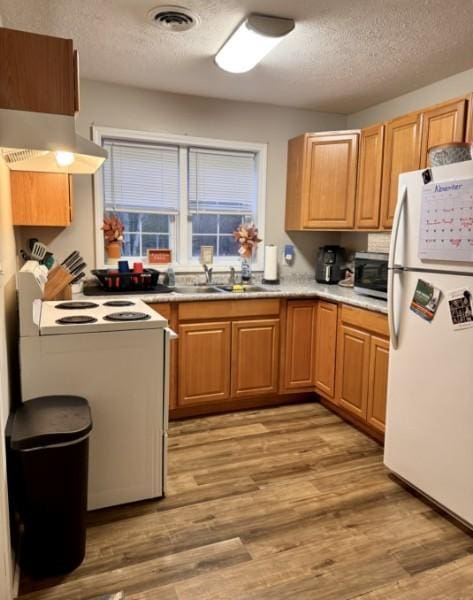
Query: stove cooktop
[[76, 320], [127, 316], [101, 315], [76, 305]]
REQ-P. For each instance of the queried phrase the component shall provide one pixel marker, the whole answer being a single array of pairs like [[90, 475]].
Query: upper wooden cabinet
[[370, 166], [299, 348], [469, 120], [321, 181], [325, 348], [255, 357], [402, 153], [442, 124], [41, 198], [39, 73], [321, 169]]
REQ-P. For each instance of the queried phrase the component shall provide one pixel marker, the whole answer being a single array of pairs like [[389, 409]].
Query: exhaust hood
[[43, 142]]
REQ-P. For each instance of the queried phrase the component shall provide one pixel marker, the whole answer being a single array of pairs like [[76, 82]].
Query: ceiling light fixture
[[251, 42]]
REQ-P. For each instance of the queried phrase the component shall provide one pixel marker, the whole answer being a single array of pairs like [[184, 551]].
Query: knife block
[[58, 284]]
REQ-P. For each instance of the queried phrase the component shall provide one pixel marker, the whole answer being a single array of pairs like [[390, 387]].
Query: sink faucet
[[231, 277], [208, 274]]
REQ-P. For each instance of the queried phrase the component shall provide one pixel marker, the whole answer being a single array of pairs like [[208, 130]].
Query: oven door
[[371, 276]]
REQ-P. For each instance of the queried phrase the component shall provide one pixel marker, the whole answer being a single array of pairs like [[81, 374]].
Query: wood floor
[[274, 504]]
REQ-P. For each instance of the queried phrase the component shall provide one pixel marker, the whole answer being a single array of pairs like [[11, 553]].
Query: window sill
[[192, 268]]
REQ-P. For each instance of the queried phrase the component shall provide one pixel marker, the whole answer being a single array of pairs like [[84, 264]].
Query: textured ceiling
[[343, 56]]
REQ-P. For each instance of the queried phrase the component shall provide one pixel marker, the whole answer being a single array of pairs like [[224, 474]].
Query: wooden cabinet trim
[[228, 309], [255, 373], [296, 159], [469, 120], [370, 168]]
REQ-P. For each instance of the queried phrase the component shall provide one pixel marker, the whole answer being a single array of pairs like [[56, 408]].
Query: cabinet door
[[255, 349], [325, 348], [37, 72], [299, 350], [469, 120], [441, 125], [368, 197], [295, 170], [330, 181], [352, 369], [401, 153], [378, 382], [41, 198], [204, 363]]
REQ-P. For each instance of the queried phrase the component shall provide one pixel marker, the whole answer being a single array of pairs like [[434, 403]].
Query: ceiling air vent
[[173, 18]]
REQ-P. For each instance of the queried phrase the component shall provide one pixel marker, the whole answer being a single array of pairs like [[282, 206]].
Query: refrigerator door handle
[[393, 331], [394, 269], [395, 231]]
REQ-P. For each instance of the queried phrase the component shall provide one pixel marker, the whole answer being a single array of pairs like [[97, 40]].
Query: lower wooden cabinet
[[298, 353], [238, 350], [362, 366], [255, 353], [325, 348], [378, 383], [353, 370], [204, 363]]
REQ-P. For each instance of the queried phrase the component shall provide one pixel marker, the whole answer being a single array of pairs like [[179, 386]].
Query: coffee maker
[[330, 267]]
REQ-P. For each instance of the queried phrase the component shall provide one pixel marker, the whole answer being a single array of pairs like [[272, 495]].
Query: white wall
[[445, 89], [8, 337], [133, 108]]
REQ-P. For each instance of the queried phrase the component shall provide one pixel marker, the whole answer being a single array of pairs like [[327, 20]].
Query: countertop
[[305, 289]]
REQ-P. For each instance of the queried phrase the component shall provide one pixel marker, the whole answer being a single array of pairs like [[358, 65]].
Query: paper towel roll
[[270, 264]]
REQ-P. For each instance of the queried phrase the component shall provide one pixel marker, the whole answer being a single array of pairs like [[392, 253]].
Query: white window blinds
[[222, 182], [141, 177]]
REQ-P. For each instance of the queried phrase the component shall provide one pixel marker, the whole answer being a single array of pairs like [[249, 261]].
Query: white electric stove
[[114, 353]]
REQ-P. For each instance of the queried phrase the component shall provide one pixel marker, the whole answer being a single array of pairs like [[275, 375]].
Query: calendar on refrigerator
[[446, 221]]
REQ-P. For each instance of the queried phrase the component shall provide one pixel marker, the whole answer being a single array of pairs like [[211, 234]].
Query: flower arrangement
[[246, 235], [113, 229]]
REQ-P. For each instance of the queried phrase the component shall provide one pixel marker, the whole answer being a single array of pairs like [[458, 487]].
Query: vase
[[114, 252]]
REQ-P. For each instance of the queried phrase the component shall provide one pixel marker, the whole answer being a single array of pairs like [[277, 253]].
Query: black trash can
[[49, 441]]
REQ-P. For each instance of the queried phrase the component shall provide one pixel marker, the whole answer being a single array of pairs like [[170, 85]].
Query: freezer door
[[429, 429], [405, 238]]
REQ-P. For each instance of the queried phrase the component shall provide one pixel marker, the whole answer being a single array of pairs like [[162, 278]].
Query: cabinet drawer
[[366, 319], [228, 309]]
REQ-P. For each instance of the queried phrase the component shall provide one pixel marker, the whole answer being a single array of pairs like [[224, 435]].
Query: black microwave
[[371, 274]]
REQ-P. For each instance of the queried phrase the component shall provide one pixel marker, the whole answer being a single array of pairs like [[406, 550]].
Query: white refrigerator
[[429, 426]]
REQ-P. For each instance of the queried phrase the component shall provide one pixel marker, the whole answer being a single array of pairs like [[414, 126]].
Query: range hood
[[48, 143]]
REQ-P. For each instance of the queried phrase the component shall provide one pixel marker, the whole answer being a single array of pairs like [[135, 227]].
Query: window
[[179, 193], [141, 185], [222, 194]]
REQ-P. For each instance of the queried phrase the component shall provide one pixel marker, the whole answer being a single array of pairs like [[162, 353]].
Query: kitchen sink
[[198, 289]]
